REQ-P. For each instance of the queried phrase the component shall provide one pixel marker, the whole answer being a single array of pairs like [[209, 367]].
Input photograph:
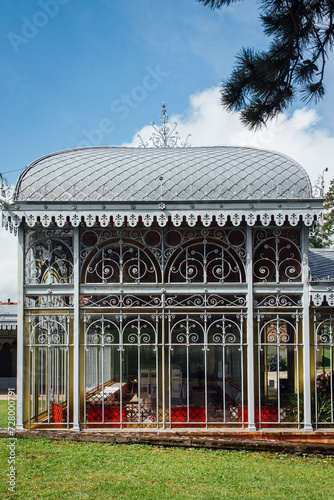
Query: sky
[[79, 73]]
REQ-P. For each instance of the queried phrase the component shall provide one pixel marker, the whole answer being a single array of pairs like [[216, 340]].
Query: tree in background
[[265, 83], [322, 236]]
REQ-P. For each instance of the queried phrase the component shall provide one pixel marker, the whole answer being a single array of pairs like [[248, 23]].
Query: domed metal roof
[[118, 174]]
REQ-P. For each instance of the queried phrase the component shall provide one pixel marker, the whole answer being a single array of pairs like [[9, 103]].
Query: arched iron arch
[[120, 260], [205, 261]]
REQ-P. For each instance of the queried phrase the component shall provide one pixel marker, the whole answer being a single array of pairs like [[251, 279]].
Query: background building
[[8, 335]]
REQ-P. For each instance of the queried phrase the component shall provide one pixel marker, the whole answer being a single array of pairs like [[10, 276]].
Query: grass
[[47, 469], [3, 413]]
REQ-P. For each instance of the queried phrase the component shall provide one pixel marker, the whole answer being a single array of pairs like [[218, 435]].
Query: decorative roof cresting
[[164, 136]]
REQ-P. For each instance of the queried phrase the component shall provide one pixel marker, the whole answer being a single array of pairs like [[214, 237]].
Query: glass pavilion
[[170, 288]]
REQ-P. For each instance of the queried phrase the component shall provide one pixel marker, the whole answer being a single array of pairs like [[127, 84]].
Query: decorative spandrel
[[225, 330], [120, 329], [49, 257], [324, 329], [277, 255], [49, 330], [279, 330], [205, 263], [163, 255], [121, 263], [277, 300], [101, 331], [187, 330]]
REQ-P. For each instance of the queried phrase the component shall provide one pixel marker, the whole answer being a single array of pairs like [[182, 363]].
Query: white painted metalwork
[[21, 418], [323, 387], [277, 255], [148, 276], [119, 218], [323, 297], [76, 330], [49, 257], [48, 367], [250, 331], [306, 332], [164, 136], [278, 361]]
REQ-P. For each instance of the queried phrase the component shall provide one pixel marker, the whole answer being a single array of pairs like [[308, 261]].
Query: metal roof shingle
[[196, 174]]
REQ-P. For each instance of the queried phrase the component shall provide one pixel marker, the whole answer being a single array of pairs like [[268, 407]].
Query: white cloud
[[300, 135], [8, 266]]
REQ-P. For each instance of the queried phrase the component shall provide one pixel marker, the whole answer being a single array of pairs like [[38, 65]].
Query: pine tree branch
[[263, 84]]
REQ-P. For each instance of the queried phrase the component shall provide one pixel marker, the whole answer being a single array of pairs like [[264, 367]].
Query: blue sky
[[69, 68], [77, 73]]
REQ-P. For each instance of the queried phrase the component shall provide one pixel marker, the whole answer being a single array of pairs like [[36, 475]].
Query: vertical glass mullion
[[139, 369], [205, 349], [224, 378], [169, 368], [163, 361], [259, 350], [102, 369], [87, 363], [315, 345], [32, 373], [331, 367], [298, 383], [156, 340], [278, 378]]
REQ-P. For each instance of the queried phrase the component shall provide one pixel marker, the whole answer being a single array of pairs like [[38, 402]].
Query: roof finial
[[319, 185], [5, 192], [164, 136]]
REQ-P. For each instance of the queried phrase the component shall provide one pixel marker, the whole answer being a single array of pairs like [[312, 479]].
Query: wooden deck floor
[[300, 442]]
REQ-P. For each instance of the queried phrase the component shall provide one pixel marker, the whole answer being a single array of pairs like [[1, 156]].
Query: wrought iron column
[[306, 331], [20, 402], [250, 331], [76, 329]]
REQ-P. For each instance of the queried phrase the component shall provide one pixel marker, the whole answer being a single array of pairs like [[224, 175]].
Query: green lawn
[[3, 413], [48, 469]]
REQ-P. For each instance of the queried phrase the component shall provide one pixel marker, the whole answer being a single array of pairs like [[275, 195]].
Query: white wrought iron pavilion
[[170, 288]]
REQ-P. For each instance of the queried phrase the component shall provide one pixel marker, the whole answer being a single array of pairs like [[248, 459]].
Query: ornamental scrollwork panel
[[187, 330], [205, 300], [141, 330], [126, 300], [121, 262], [120, 330], [277, 256], [135, 255], [48, 301], [101, 331], [49, 257], [233, 239], [163, 300], [278, 300], [323, 330], [206, 329], [205, 262], [49, 331], [225, 330], [278, 330]]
